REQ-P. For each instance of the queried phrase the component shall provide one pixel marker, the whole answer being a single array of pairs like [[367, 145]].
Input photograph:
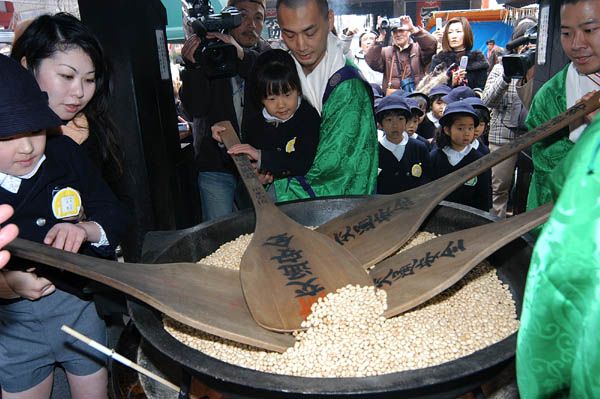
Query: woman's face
[[69, 79], [456, 36]]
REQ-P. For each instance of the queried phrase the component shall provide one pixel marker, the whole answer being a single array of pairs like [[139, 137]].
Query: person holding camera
[[404, 63], [507, 121], [580, 40], [457, 42], [209, 98]]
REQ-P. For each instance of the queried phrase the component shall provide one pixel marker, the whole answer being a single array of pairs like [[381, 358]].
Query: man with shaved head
[[346, 160]]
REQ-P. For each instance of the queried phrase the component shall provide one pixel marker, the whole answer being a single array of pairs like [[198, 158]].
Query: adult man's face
[[490, 46], [367, 41], [400, 37], [580, 34], [304, 30], [253, 18]]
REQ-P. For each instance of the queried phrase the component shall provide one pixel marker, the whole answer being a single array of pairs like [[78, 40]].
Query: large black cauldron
[[447, 380]]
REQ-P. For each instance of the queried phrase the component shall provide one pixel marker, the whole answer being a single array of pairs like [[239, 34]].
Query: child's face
[[283, 105], [461, 132], [69, 79], [424, 109], [20, 153], [412, 124], [393, 126], [438, 107], [478, 130]]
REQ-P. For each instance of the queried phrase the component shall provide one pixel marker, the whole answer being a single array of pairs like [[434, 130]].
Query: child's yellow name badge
[[416, 170], [66, 203]]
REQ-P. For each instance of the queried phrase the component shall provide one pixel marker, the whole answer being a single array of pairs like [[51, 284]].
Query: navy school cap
[[479, 106], [23, 105], [377, 92], [393, 102], [414, 106], [439, 90], [458, 93], [458, 107], [419, 94]]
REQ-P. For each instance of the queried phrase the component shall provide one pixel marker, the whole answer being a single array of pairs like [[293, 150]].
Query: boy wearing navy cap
[[482, 128], [59, 199], [412, 124], [454, 151], [403, 162]]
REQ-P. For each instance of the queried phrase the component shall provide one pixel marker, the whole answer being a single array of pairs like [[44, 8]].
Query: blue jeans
[[219, 192]]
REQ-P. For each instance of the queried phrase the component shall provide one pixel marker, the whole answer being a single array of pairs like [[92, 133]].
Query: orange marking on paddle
[[307, 304]]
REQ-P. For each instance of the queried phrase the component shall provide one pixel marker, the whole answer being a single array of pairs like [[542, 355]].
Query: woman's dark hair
[[442, 139], [49, 34], [275, 74], [468, 34]]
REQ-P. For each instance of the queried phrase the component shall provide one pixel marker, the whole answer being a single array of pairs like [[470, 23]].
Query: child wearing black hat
[[403, 162], [59, 199], [454, 151], [482, 129], [412, 123]]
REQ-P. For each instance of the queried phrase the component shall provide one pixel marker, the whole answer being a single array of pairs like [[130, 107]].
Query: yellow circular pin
[[416, 170], [66, 203]]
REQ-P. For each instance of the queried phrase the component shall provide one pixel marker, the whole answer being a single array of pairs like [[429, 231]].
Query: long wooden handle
[[447, 184], [121, 359], [259, 196]]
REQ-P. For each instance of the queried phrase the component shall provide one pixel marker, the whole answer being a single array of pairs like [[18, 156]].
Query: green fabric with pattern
[[548, 102], [558, 346]]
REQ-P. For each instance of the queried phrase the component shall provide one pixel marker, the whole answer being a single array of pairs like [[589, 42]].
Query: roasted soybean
[[346, 335]]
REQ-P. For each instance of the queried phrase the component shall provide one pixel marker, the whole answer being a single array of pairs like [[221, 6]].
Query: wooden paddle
[[286, 266], [206, 297], [377, 228], [420, 273], [210, 298]]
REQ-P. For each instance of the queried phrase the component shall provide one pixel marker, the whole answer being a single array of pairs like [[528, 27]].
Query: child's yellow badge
[[416, 170], [66, 203], [289, 147]]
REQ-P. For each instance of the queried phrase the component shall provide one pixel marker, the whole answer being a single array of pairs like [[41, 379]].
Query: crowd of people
[[315, 120]]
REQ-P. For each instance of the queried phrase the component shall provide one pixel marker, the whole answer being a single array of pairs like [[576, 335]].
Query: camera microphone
[[513, 44]]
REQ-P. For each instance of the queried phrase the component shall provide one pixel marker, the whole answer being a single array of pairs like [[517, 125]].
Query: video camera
[[390, 23], [217, 59], [517, 65]]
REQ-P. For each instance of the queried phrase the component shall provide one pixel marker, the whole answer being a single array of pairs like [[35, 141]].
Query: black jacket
[[413, 170], [211, 101], [476, 68], [274, 138]]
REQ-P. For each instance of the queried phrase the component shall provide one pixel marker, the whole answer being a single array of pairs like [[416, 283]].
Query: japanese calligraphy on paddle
[[371, 240], [287, 267]]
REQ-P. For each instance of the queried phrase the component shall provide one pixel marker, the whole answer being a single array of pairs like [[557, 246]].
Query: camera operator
[[209, 100], [507, 120], [403, 63], [580, 39]]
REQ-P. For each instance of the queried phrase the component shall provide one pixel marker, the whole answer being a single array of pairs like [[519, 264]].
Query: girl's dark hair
[[275, 74], [441, 138], [49, 34], [467, 38]]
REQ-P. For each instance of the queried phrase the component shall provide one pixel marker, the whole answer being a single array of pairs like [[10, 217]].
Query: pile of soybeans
[[347, 336]]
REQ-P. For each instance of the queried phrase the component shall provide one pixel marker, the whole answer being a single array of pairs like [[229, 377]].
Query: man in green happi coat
[[580, 39], [346, 159], [558, 346]]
